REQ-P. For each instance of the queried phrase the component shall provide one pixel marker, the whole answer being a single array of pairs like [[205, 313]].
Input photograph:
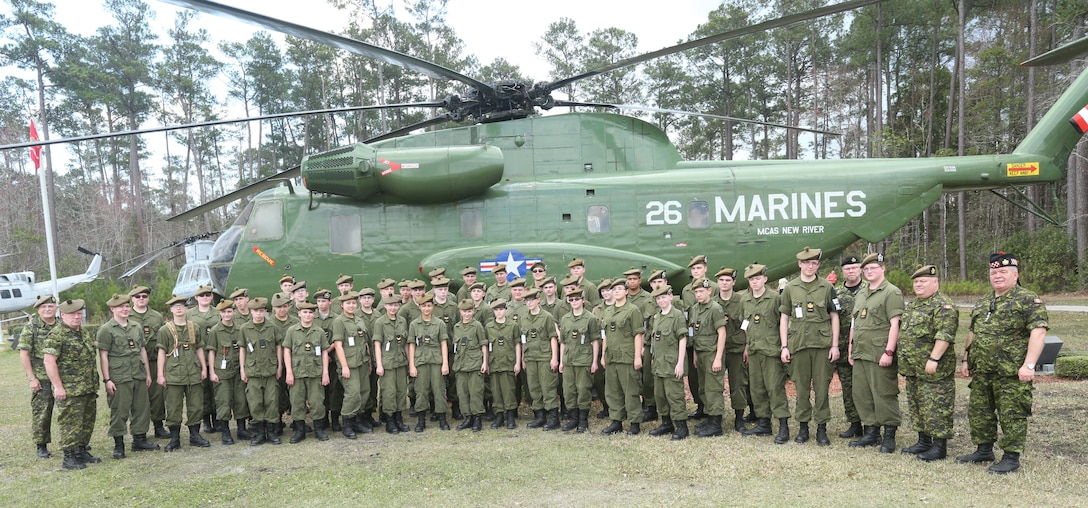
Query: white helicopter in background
[[18, 291]]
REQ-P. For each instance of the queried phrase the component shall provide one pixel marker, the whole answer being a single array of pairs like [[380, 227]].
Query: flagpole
[[46, 213]]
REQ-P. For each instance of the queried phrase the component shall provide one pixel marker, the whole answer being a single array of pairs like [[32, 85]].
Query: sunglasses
[[141, 296]]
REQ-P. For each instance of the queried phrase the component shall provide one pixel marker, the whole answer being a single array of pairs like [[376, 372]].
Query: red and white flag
[[1080, 120], [35, 151]]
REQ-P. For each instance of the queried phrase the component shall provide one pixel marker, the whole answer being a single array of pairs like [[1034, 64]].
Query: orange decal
[[1022, 169], [263, 256]]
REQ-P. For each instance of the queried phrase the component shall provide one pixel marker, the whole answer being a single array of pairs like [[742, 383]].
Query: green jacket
[[922, 324], [537, 333], [123, 346], [76, 355], [149, 322], [704, 320], [503, 340], [809, 306], [1002, 326], [735, 339], [664, 339], [182, 344], [392, 337], [469, 341], [873, 312], [428, 337], [353, 334], [620, 325], [260, 342], [762, 317], [578, 333], [306, 346], [226, 341]]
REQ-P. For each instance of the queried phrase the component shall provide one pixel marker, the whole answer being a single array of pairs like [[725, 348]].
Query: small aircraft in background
[[195, 272], [19, 291]]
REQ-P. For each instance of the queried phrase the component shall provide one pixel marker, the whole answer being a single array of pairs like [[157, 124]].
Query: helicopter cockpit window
[[345, 234], [597, 219], [472, 224], [699, 214], [266, 222]]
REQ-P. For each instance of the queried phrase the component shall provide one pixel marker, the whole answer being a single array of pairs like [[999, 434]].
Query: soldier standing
[[1008, 330], [697, 267], [851, 283], [766, 371], [224, 347], [390, 335], [428, 362], [621, 356], [306, 359], [204, 316], [928, 362], [579, 349], [706, 327], [668, 345], [150, 320], [351, 341], [589, 290], [501, 289], [504, 363], [126, 376], [282, 320], [468, 275], [240, 297], [181, 370], [33, 362], [261, 365], [736, 362], [540, 354], [68, 355], [470, 364]]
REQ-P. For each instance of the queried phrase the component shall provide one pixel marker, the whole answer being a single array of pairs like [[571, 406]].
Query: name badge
[[351, 341], [317, 351], [523, 338], [602, 335], [488, 347], [744, 325], [798, 312], [583, 339], [175, 353], [835, 302], [387, 346], [249, 346], [691, 331], [223, 364]]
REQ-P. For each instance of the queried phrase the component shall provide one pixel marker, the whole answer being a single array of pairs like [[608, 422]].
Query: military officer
[[668, 345], [123, 362], [224, 356], [621, 356], [1006, 337], [928, 362], [260, 366], [182, 368], [150, 320], [766, 371], [390, 335], [68, 355], [33, 363], [306, 362], [851, 283], [504, 363]]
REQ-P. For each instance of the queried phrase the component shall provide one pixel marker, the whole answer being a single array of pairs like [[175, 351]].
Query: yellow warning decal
[[1015, 169]]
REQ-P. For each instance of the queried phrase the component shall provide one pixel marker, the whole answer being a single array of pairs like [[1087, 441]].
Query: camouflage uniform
[[41, 401], [1001, 327], [843, 369], [931, 398], [75, 354]]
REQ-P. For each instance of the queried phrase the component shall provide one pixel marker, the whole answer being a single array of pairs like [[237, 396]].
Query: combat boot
[[612, 428], [477, 423], [984, 453], [442, 423], [398, 417], [538, 421], [367, 421], [224, 429], [175, 438], [195, 438], [457, 411], [118, 447], [751, 418], [802, 433], [853, 431], [43, 451], [209, 424], [362, 424], [575, 419], [712, 428], [603, 413], [500, 420], [698, 414], [937, 451], [421, 421], [512, 419], [391, 425], [583, 420], [349, 427], [334, 418], [84, 455], [258, 434], [738, 420], [923, 444], [681, 430], [888, 444], [870, 436], [300, 432], [553, 419], [466, 423], [270, 433], [666, 427], [762, 428], [783, 431], [634, 429], [1009, 462], [160, 430], [649, 413], [71, 462], [319, 429], [821, 435], [140, 443], [243, 433]]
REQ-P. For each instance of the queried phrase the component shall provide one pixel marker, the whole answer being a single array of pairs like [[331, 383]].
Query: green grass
[[527, 467]]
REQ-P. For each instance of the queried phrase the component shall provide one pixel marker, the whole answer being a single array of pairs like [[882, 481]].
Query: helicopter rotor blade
[[724, 36], [253, 188], [409, 128], [155, 254], [1058, 55], [724, 117]]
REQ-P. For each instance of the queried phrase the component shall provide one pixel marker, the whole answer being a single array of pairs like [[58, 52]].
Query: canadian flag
[[35, 151]]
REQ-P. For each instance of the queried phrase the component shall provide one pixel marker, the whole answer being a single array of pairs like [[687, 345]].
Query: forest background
[[904, 78]]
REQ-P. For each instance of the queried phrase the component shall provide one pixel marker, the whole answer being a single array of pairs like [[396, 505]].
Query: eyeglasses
[[538, 271], [202, 295], [141, 296]]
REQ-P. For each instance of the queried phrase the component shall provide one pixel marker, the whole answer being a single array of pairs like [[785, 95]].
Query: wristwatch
[[889, 352], [1030, 366]]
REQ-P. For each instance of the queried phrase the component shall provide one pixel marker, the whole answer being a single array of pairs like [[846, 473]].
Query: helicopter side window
[[472, 224], [266, 222], [5, 293], [597, 219], [699, 214], [345, 234], [18, 293]]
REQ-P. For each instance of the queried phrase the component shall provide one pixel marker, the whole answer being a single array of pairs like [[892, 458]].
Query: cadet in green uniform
[[468, 275], [501, 289], [306, 358], [334, 391], [550, 299], [642, 300], [445, 309], [470, 364], [344, 285], [390, 334], [697, 268], [33, 363], [736, 363], [367, 314], [482, 312], [282, 320], [68, 355], [351, 341], [261, 365], [1008, 330], [706, 323], [668, 346], [579, 349], [224, 346], [204, 316], [851, 283], [766, 372], [621, 355], [504, 363], [540, 352], [410, 310], [928, 362], [240, 297], [150, 320], [873, 339], [428, 362], [126, 376], [181, 371], [604, 288], [589, 290]]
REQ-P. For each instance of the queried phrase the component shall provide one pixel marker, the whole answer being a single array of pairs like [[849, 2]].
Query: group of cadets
[[477, 354]]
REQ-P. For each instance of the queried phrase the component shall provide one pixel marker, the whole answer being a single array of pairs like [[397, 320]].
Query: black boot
[[442, 423], [71, 461], [751, 413], [984, 453], [634, 429], [537, 422], [821, 435], [870, 436], [362, 424], [583, 420], [258, 434], [277, 427], [937, 450], [802, 433], [160, 431], [712, 428], [466, 423], [783, 431], [738, 420], [500, 420], [853, 431], [224, 428], [477, 423], [271, 434], [923, 444], [209, 424], [698, 414], [762, 428], [649, 414], [1009, 462], [421, 421], [175, 438], [612, 428], [399, 418], [334, 420], [300, 432], [603, 413], [140, 443], [319, 429], [349, 427], [666, 427], [888, 444], [512, 419], [118, 447], [681, 430], [553, 419], [457, 411], [575, 419], [43, 451], [196, 439], [391, 425], [243, 433]]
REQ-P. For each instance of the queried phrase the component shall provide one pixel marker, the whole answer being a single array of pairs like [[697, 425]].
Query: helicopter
[[516, 187], [18, 290]]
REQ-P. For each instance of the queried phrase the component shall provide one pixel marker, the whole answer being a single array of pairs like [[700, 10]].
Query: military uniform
[[875, 387], [735, 342], [309, 349], [843, 369], [539, 345], [230, 391], [623, 384], [669, 331], [496, 291], [124, 347], [431, 339], [577, 334], [352, 336], [808, 306], [263, 365], [75, 353], [469, 342], [766, 372], [282, 325], [930, 397], [391, 340], [183, 372], [31, 340], [705, 319], [150, 321], [204, 321], [503, 340]]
